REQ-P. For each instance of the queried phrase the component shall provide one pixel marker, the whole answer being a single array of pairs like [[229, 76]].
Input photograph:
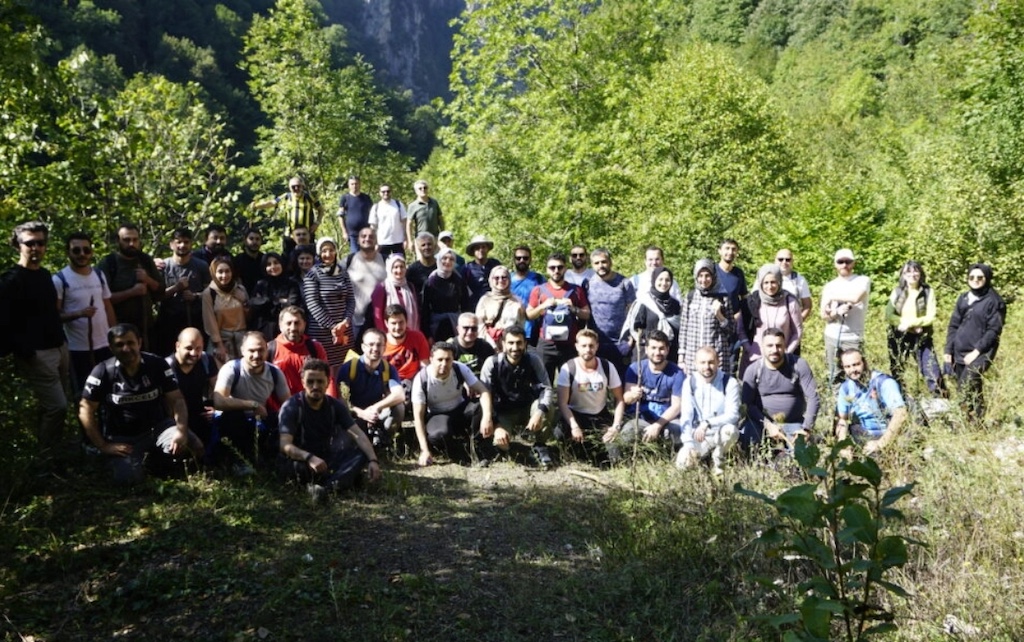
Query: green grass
[[506, 553]]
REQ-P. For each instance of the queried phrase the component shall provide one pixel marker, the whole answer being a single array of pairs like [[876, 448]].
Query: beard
[[130, 252]]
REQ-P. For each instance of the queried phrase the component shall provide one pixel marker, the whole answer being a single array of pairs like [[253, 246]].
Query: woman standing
[[331, 302], [499, 308], [272, 294], [444, 296], [225, 306], [395, 289], [911, 316], [706, 319], [769, 306], [972, 338], [658, 310]]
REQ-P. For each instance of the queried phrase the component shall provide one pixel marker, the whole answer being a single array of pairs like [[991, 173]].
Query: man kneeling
[[710, 413], [320, 442], [138, 392]]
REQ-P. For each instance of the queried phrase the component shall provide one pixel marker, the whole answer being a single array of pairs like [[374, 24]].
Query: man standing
[[215, 243], [33, 329], [418, 271], [870, 406], [522, 283], [441, 410], [610, 295], [656, 384], [249, 263], [710, 413], [470, 350], [424, 214], [138, 393], [134, 281], [185, 278], [301, 208], [780, 394], [366, 271], [794, 282], [354, 212], [292, 347], [84, 302], [844, 307], [579, 273], [654, 258], [320, 443], [522, 396], [195, 372], [563, 309], [477, 273], [375, 392], [387, 218], [249, 391], [584, 384], [731, 279]]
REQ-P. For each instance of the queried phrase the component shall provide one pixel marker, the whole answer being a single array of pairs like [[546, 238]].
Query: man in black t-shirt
[[138, 393], [195, 372], [470, 349], [320, 442]]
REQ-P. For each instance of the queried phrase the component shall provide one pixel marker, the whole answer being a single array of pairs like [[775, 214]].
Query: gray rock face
[[409, 40]]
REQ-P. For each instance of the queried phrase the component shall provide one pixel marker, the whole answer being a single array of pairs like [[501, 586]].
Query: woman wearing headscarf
[[395, 289], [706, 319], [911, 316], [444, 296], [498, 308], [972, 338], [769, 306], [273, 293], [330, 300], [225, 307], [658, 310]]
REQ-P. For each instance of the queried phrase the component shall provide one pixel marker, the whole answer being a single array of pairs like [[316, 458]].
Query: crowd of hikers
[[311, 359]]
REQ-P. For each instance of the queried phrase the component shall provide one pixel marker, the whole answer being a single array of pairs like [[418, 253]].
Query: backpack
[[458, 377], [693, 383], [64, 282], [789, 360], [355, 365], [558, 321], [236, 368], [571, 368]]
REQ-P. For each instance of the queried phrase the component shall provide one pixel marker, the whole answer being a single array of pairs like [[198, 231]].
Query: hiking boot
[[543, 456]]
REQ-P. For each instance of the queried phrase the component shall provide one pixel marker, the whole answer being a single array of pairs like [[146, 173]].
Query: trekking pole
[[188, 304], [88, 320]]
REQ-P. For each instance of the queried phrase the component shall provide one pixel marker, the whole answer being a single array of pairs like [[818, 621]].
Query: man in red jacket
[[290, 349]]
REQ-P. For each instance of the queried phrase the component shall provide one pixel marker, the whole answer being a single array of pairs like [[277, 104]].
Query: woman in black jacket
[[973, 336]]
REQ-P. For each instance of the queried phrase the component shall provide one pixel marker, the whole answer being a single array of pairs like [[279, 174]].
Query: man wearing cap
[[477, 272], [387, 218], [447, 239], [354, 212], [424, 215], [844, 307]]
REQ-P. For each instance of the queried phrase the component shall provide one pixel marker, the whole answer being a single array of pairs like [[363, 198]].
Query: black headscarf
[[984, 289], [663, 300]]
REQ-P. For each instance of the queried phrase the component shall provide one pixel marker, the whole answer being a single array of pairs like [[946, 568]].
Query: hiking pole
[[188, 304], [88, 320]]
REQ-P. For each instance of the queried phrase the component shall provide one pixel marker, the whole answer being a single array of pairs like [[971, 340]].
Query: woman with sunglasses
[[972, 338]]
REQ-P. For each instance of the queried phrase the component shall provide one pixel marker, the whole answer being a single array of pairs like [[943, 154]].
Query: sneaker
[[317, 493], [543, 456], [243, 470]]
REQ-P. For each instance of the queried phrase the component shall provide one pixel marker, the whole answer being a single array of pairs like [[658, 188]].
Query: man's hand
[[970, 357], [501, 438], [486, 426], [577, 432], [369, 415], [872, 446], [700, 432], [180, 443], [260, 411], [633, 395], [536, 422], [652, 432], [116, 450], [610, 434], [425, 458], [317, 465], [88, 312], [373, 469], [772, 430]]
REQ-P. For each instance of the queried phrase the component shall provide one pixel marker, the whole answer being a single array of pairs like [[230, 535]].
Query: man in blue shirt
[[375, 392], [870, 405], [656, 384], [523, 281]]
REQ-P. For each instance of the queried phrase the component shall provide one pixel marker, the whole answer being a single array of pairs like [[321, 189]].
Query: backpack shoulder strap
[[571, 366], [271, 350], [236, 370], [311, 347]]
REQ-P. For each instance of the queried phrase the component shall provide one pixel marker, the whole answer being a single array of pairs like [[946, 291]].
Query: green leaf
[[800, 503], [866, 469], [806, 454], [884, 627], [738, 488], [893, 495], [860, 525], [891, 551], [816, 615], [894, 588]]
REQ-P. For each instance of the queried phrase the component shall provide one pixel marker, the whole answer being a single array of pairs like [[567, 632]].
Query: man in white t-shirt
[[654, 257], [83, 300], [583, 384], [387, 218], [441, 410], [794, 282], [366, 271], [844, 307]]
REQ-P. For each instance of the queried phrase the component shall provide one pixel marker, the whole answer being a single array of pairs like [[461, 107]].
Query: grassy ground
[[504, 553]]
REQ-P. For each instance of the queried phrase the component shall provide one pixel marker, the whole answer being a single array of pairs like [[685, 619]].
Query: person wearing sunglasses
[[580, 270], [387, 218], [83, 298], [794, 282], [33, 330], [972, 338], [844, 308], [562, 308]]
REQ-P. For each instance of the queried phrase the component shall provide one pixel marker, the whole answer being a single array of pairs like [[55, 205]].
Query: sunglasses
[[976, 277], [844, 262], [576, 255], [781, 259], [556, 268], [522, 258], [81, 250], [33, 243]]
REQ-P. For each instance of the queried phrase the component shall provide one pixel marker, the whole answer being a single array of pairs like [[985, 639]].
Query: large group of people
[[311, 359]]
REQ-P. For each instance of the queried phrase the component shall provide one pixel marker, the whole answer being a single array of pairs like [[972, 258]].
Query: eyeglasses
[[499, 278], [844, 262], [522, 258], [577, 255], [782, 259], [81, 250], [556, 268], [295, 186], [33, 243], [385, 191], [468, 328], [976, 277]]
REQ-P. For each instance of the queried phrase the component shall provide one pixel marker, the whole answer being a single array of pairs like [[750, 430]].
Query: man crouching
[[320, 442]]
